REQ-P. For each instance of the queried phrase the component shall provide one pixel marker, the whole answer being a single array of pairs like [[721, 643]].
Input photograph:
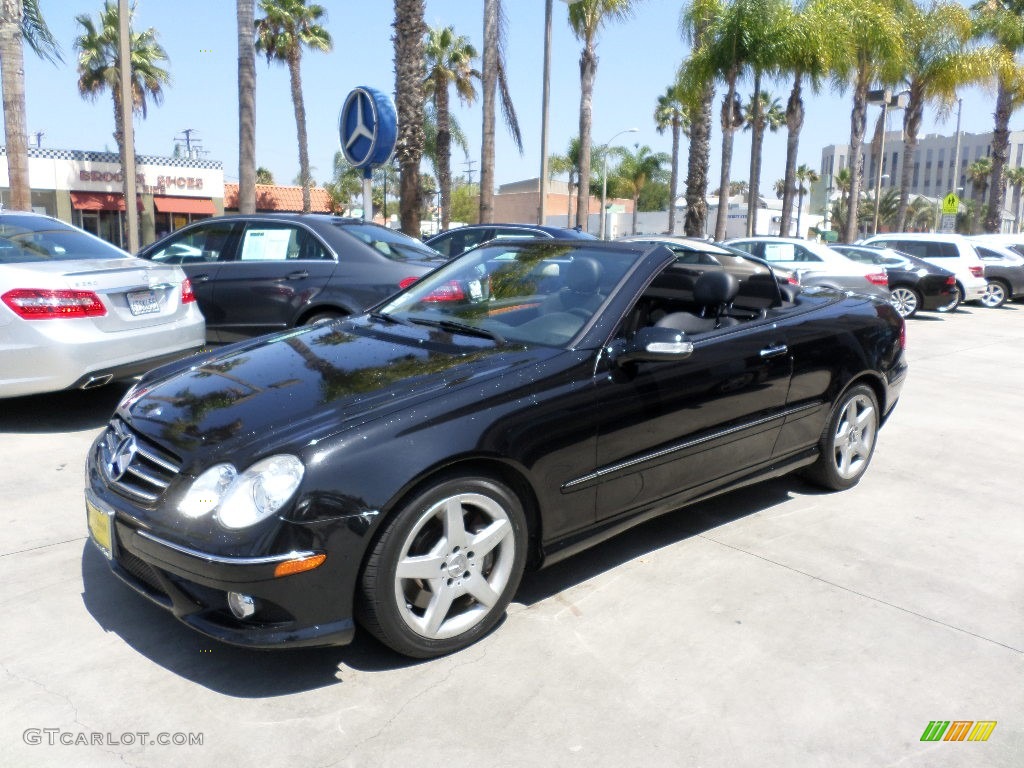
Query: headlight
[[260, 491], [207, 491], [241, 500]]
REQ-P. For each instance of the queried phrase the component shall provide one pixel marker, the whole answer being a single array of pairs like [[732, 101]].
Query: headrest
[[583, 275], [715, 287]]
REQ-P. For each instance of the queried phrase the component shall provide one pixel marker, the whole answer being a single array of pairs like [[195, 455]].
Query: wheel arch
[[310, 311], [877, 385]]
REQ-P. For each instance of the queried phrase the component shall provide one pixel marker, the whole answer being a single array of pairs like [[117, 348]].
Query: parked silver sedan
[[76, 312]]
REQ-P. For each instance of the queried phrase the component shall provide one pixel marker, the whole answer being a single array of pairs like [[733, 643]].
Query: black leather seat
[[714, 291], [581, 290]]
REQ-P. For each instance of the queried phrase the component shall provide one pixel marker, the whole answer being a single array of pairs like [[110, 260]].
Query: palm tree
[[410, 72], [1015, 178], [978, 173], [938, 63], [805, 52], [635, 170], [871, 50], [569, 163], [20, 20], [495, 80], [672, 112], [697, 23], [288, 27], [264, 176], [760, 113], [1002, 21], [804, 175], [779, 185], [99, 60], [245, 12], [449, 62], [888, 205], [920, 215], [586, 19]]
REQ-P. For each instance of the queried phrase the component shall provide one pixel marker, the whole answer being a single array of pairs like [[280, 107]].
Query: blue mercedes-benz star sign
[[368, 127]]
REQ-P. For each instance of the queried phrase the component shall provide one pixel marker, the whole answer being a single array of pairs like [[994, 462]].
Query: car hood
[[292, 387]]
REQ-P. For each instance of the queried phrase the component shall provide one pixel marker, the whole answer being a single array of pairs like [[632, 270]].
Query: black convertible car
[[400, 469]]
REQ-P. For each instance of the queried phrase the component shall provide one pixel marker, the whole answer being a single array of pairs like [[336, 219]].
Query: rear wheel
[[445, 568], [848, 441], [996, 294], [954, 301], [322, 317], [906, 300]]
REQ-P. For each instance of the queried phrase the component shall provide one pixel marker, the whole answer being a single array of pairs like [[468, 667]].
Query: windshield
[[535, 292], [27, 240], [394, 245]]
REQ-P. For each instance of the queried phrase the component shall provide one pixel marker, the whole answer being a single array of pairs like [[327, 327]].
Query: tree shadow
[[250, 674], [73, 410]]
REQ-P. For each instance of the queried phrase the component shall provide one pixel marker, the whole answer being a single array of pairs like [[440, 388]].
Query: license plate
[[143, 302], [101, 528]]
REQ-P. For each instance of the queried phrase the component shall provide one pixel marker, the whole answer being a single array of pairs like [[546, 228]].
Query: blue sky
[[637, 60]]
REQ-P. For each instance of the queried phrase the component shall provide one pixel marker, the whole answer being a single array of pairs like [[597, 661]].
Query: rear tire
[[445, 567], [954, 303], [848, 441], [907, 300], [996, 294], [322, 317]]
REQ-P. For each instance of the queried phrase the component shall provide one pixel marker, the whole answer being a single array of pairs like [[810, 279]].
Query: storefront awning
[[100, 201], [201, 205]]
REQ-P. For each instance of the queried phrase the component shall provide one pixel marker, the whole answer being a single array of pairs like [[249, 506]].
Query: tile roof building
[[281, 199]]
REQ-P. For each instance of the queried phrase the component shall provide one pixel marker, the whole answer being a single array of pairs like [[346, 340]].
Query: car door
[[278, 267], [668, 431], [200, 250]]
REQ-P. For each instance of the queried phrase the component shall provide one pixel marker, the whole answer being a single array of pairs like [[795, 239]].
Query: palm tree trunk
[[911, 126], [858, 124], [568, 212], [12, 72], [588, 71], [799, 210], [673, 184], [1016, 207], [410, 71], [444, 152], [756, 140], [636, 211], [794, 123], [246, 107], [697, 164], [1000, 156], [294, 74], [122, 150], [490, 87], [728, 129]]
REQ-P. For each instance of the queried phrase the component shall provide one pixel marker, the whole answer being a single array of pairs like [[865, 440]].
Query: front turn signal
[[289, 567]]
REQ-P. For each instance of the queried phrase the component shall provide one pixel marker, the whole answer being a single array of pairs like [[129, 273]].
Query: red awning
[[203, 205], [100, 201]]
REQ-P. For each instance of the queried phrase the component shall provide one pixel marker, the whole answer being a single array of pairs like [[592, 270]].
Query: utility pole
[[468, 164], [545, 99], [955, 181], [39, 139], [187, 138]]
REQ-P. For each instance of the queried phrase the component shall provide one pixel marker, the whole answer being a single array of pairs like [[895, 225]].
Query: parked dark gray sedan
[[268, 272]]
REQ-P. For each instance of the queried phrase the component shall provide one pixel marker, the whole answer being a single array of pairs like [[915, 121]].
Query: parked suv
[[953, 252], [1004, 267]]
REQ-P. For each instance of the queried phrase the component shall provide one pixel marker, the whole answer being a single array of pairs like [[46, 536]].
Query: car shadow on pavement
[[654, 535], [69, 411], [244, 673]]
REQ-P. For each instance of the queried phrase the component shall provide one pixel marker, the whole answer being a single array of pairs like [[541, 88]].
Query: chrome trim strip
[[267, 560], [150, 497], [682, 447], [150, 456], [151, 479]]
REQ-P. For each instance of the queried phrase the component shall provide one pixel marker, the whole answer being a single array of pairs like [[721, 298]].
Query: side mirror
[[652, 344]]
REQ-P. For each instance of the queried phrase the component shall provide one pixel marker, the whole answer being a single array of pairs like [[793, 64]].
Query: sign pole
[[368, 193]]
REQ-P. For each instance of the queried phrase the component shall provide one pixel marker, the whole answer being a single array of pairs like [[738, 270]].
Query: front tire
[[906, 300], [996, 294], [848, 442], [445, 567]]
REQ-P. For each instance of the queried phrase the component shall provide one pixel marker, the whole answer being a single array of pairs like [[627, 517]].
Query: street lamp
[[604, 177], [885, 98], [544, 110]]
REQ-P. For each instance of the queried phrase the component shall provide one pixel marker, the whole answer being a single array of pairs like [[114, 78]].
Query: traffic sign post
[[950, 208], [368, 130]]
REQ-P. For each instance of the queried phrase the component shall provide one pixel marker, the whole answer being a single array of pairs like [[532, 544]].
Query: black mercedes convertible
[[399, 470]]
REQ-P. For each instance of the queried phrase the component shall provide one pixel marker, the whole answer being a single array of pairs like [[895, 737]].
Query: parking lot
[[774, 626]]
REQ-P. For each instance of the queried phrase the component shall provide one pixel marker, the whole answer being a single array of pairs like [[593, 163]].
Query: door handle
[[774, 350], [199, 279], [297, 275]]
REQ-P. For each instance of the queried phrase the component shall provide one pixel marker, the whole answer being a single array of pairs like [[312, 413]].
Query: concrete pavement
[[775, 626]]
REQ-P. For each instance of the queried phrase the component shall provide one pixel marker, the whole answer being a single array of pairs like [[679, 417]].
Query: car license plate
[[101, 528], [143, 302]]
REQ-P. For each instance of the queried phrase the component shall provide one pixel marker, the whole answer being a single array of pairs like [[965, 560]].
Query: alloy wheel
[[854, 437], [995, 294], [905, 301]]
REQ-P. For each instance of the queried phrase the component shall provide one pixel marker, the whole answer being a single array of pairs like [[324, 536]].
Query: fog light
[[243, 606]]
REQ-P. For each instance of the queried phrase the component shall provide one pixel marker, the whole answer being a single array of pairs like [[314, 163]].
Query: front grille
[[133, 466]]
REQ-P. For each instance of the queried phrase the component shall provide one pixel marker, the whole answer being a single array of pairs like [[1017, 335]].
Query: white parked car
[[76, 312], [817, 264], [953, 252]]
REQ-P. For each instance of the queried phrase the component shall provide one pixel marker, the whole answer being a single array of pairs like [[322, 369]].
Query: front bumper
[[312, 608]]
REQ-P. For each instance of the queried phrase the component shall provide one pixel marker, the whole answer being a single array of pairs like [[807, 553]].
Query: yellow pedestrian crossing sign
[[950, 204]]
